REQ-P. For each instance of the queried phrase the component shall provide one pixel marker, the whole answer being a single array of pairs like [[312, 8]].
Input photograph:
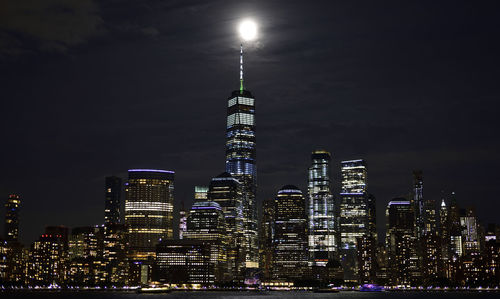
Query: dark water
[[249, 295]]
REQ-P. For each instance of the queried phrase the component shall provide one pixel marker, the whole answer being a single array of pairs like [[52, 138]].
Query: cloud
[[47, 26]]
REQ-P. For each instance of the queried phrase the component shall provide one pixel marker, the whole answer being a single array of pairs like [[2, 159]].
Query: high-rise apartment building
[[148, 210], [321, 213]]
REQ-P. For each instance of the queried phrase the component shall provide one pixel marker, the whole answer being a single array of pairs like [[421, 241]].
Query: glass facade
[[206, 222], [148, 210], [322, 234], [290, 260], [356, 215], [226, 191], [241, 164]]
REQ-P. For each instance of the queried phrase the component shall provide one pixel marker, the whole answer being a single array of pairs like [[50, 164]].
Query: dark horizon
[[94, 88]]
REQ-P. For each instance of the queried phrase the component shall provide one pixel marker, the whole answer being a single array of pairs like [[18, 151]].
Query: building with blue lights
[[241, 164]]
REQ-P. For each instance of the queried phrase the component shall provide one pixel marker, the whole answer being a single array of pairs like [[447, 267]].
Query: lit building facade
[[241, 163], [266, 236], [200, 193], [356, 215], [86, 266], [206, 222], [11, 227], [401, 243], [290, 261], [148, 210], [113, 191], [183, 262], [47, 261], [322, 233], [115, 254], [227, 191]]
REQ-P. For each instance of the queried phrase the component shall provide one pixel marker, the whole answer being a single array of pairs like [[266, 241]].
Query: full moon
[[248, 30]]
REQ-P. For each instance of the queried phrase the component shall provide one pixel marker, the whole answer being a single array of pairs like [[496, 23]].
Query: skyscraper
[[148, 210], [113, 191], [418, 201], [356, 215], [266, 237], [206, 222], [290, 261], [226, 191], [401, 242], [12, 217], [241, 161], [322, 234]]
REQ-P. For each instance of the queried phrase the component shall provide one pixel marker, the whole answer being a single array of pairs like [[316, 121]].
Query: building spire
[[241, 68]]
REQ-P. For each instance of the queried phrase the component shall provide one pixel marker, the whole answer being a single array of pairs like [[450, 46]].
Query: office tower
[[12, 217], [47, 261], [227, 192], [148, 210], [200, 193], [401, 242], [266, 236], [183, 262], [182, 221], [241, 161], [206, 222], [322, 234], [290, 261], [115, 255], [356, 215], [113, 191]]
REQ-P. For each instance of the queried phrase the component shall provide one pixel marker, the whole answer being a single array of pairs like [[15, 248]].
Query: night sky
[[93, 88]]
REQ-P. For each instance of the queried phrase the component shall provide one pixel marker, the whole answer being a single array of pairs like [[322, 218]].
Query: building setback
[[321, 213]]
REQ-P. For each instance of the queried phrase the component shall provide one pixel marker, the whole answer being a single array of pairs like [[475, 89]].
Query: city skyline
[[57, 149]]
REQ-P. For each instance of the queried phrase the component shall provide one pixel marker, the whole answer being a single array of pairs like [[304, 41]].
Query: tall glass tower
[[241, 161], [322, 238], [357, 215], [148, 210]]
